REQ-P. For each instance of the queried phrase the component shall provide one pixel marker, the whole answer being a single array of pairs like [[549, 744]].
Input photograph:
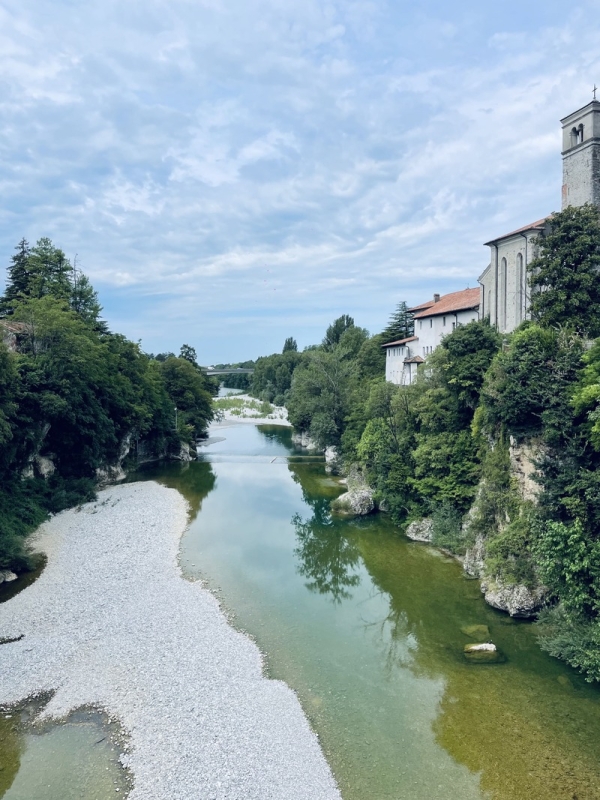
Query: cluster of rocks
[[6, 576]]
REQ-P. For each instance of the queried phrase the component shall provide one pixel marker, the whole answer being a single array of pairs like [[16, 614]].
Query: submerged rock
[[483, 653], [476, 631], [421, 530], [516, 599]]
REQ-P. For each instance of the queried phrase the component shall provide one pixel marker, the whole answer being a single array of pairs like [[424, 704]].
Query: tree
[[84, 300], [188, 388], [401, 324], [320, 397], [335, 330], [290, 344], [19, 276], [188, 353], [564, 278]]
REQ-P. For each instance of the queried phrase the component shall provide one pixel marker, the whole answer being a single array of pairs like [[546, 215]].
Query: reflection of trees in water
[[395, 638], [328, 558], [194, 479]]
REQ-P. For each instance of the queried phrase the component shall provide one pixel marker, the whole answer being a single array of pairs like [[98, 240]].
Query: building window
[[420, 324], [444, 322], [431, 323], [520, 288], [504, 284], [577, 135]]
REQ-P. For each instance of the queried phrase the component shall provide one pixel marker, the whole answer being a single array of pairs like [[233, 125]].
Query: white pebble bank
[[111, 623]]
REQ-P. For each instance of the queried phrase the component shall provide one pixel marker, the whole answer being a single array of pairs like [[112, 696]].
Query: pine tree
[[401, 324], [50, 271], [19, 275], [290, 344]]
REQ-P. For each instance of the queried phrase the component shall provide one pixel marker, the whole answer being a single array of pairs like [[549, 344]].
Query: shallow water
[[366, 627], [76, 760]]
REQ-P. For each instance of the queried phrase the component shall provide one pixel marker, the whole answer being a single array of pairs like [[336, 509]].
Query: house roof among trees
[[400, 341], [449, 303], [421, 306]]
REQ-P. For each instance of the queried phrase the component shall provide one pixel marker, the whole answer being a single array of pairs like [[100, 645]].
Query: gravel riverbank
[[111, 623]]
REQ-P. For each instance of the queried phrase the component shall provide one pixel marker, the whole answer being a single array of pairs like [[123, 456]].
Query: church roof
[[448, 303], [414, 360], [400, 341], [535, 226]]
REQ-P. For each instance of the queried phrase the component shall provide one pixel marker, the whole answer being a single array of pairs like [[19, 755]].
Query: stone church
[[504, 293]]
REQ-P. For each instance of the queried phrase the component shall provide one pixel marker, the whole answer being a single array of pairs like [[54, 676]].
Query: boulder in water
[[483, 653], [421, 530]]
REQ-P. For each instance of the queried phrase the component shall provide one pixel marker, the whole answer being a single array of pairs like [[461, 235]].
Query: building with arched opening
[[504, 293]]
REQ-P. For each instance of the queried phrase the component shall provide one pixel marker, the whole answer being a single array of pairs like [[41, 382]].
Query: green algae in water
[[368, 628], [73, 760]]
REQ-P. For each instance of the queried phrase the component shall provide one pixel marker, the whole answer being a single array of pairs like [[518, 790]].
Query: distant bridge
[[238, 371]]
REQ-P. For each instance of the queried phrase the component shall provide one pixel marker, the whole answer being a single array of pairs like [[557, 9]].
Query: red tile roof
[[421, 306], [414, 360], [455, 301], [539, 225], [400, 341]]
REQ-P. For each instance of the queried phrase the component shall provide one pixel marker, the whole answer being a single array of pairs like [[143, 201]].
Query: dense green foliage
[[76, 399], [272, 377], [564, 278]]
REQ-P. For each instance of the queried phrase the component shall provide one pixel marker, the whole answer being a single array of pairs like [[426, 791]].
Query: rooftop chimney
[[436, 298]]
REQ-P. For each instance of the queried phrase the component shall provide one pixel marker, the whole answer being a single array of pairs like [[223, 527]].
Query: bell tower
[[581, 156]]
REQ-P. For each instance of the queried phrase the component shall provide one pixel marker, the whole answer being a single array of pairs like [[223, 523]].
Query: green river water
[[366, 627]]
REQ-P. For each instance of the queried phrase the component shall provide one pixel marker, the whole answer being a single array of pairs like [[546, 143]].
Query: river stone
[[516, 599], [420, 530], [482, 653], [476, 631], [355, 502], [6, 576]]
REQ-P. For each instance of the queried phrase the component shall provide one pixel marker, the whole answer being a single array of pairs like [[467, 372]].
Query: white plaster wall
[[395, 369], [513, 301], [432, 330]]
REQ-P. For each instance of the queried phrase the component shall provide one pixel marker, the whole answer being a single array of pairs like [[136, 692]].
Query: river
[[367, 628]]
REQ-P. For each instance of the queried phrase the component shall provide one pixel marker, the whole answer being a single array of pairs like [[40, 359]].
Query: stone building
[[504, 291], [433, 320]]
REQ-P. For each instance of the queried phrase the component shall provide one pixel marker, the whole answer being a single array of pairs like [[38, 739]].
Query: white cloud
[[360, 151]]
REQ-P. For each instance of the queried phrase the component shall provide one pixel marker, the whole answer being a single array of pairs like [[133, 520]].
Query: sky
[[229, 173]]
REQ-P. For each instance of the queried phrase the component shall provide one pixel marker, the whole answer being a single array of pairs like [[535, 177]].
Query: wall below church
[[510, 284]]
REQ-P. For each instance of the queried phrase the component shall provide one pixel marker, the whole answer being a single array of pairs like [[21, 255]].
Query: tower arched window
[[504, 288], [577, 134]]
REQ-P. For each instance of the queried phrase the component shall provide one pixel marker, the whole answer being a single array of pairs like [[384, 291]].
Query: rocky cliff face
[[515, 599]]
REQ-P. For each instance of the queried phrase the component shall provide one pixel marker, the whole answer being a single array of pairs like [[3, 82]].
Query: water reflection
[[327, 558], [195, 480]]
